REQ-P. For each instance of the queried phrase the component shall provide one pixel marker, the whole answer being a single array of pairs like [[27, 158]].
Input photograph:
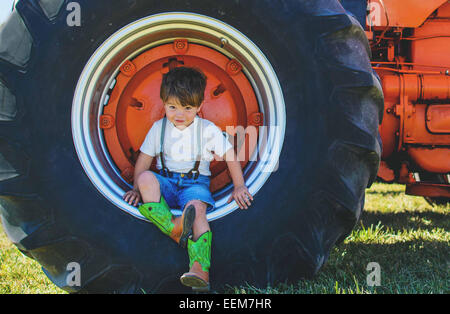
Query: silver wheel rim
[[98, 77]]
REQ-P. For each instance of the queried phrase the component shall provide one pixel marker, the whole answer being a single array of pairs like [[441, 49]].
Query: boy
[[185, 144]]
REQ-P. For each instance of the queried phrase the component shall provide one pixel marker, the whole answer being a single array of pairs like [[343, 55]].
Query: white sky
[[5, 9]]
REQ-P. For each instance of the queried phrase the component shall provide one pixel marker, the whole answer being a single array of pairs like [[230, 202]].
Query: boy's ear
[[199, 108]]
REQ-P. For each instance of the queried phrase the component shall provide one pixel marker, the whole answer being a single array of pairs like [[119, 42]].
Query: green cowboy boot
[[200, 260], [177, 228]]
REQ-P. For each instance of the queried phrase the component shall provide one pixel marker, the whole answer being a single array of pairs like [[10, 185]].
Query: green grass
[[20, 274], [405, 235]]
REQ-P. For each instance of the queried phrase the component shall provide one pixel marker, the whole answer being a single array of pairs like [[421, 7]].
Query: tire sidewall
[[243, 240]]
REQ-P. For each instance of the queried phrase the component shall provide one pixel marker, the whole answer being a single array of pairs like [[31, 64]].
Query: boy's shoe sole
[[197, 284], [188, 222]]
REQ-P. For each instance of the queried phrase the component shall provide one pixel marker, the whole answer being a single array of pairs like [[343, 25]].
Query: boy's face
[[180, 116]]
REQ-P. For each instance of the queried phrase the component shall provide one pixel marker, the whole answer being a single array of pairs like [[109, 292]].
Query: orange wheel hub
[[134, 103]]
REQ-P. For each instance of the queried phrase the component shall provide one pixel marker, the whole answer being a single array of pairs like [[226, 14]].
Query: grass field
[[406, 236]]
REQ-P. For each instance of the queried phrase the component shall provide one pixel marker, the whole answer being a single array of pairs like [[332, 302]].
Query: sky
[[5, 9]]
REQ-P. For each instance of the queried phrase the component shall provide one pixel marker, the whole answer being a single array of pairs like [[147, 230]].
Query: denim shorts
[[179, 190]]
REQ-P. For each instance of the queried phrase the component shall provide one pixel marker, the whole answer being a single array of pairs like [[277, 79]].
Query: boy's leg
[[199, 249], [201, 224], [149, 188], [156, 209], [198, 195]]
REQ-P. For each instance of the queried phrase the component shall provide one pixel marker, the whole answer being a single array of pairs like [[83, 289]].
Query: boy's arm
[[240, 193], [235, 168]]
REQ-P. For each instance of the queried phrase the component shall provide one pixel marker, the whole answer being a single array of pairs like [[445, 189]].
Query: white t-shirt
[[181, 147]]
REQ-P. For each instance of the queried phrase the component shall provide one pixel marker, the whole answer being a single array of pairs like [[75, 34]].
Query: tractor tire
[[53, 213]]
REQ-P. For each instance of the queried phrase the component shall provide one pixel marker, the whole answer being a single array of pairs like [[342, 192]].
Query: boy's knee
[[146, 179], [200, 207]]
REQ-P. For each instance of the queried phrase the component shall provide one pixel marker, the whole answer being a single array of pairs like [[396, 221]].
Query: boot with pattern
[[200, 261], [177, 228]]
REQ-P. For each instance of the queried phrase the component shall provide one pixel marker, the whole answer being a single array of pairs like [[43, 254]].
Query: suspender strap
[[165, 170], [194, 171]]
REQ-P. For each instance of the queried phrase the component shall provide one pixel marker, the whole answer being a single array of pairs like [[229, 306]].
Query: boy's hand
[[242, 197], [132, 197]]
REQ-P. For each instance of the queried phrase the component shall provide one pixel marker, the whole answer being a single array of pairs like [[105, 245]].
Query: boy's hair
[[186, 84]]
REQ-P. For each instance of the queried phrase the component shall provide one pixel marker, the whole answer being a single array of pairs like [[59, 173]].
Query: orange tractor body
[[410, 42]]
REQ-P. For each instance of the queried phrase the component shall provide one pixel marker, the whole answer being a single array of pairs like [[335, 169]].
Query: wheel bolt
[[233, 67], [106, 121], [180, 46], [128, 68]]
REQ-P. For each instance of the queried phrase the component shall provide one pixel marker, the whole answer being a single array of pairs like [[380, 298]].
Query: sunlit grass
[[20, 274], [405, 235]]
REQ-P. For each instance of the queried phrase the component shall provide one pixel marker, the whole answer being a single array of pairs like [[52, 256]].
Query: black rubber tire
[[52, 212]]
